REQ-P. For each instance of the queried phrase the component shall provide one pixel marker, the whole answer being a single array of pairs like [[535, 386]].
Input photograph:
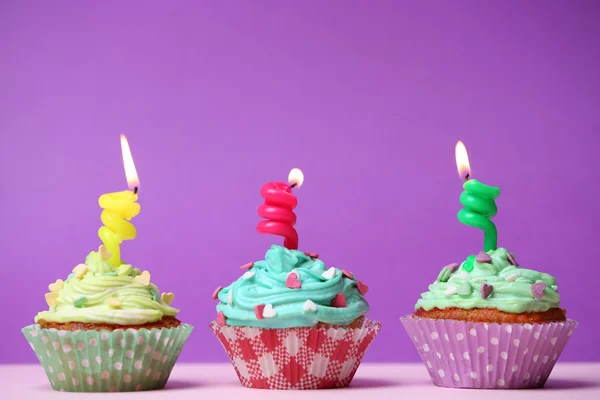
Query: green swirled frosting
[[105, 294], [265, 285], [513, 287]]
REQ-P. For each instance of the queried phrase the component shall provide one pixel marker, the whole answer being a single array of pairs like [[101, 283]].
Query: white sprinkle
[[512, 277], [269, 311], [329, 274], [309, 306], [450, 290], [248, 274]]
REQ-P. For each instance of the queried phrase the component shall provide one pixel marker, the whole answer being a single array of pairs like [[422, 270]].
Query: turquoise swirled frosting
[[511, 292], [87, 297], [265, 284]]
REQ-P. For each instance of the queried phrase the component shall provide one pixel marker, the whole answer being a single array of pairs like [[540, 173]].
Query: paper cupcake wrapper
[[296, 358], [478, 355], [107, 361]]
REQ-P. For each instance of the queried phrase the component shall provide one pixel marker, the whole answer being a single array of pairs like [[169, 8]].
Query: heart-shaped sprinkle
[[450, 290], [362, 288], [464, 289], [247, 266], [483, 257], [446, 272], [104, 254], [56, 286], [167, 298], [538, 289], [512, 277], [215, 294], [113, 302], [309, 306], [486, 290], [80, 270], [220, 318], [347, 274], [258, 311], [339, 301], [248, 275], [312, 255], [269, 311], [80, 301], [51, 299], [511, 259], [292, 281], [453, 267], [143, 278], [329, 274]]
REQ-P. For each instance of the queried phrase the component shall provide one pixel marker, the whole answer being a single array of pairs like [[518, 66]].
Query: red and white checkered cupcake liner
[[478, 355], [296, 358]]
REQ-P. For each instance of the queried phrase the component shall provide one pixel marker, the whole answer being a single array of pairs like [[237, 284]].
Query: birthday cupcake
[[107, 329], [488, 323], [291, 322]]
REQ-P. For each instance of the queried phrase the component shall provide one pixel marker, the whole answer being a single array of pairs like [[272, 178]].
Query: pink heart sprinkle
[[216, 293], [512, 259], [292, 281], [258, 310], [486, 290], [247, 266], [220, 318], [347, 274], [312, 255], [452, 267], [362, 288], [339, 301], [538, 289], [483, 257]]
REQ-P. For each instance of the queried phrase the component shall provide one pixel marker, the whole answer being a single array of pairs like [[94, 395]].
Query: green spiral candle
[[479, 207]]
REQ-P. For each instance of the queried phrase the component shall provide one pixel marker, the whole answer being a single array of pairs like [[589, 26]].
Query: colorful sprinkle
[[143, 278], [258, 311], [80, 301], [468, 264], [292, 281], [247, 266], [339, 301], [269, 311], [538, 289], [464, 289], [362, 288], [450, 290], [113, 302], [512, 277], [104, 254], [312, 255], [329, 274], [309, 306], [220, 318], [486, 290], [511, 259], [248, 274], [446, 272], [80, 270], [347, 274], [155, 293], [167, 298], [483, 257], [124, 269], [215, 294], [56, 286], [51, 298]]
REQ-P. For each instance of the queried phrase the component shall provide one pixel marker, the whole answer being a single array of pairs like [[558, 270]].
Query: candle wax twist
[[119, 208], [278, 212], [479, 207]]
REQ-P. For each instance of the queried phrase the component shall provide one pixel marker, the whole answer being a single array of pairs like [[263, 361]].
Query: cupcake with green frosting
[[490, 323], [291, 322], [107, 329]]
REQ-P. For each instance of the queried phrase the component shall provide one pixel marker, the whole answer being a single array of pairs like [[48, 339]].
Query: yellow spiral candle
[[119, 208]]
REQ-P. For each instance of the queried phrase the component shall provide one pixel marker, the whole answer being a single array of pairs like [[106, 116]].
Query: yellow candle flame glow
[[296, 176], [462, 161], [119, 208]]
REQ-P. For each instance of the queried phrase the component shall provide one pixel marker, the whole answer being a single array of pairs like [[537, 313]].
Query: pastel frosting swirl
[[261, 297], [514, 289], [97, 292]]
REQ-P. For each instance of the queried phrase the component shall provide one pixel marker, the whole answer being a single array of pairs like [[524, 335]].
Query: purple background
[[368, 98]]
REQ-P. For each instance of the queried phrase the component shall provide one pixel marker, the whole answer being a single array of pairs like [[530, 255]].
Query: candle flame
[[130, 172], [296, 176], [462, 161]]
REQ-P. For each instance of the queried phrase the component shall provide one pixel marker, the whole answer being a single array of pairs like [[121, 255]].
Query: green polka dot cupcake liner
[[107, 361]]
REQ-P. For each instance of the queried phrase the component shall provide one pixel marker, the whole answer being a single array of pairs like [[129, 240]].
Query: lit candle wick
[[293, 185], [135, 189]]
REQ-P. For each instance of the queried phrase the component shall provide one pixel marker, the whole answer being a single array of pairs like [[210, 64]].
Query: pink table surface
[[372, 381]]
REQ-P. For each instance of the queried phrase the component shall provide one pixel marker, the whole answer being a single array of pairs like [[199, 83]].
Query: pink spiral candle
[[278, 214]]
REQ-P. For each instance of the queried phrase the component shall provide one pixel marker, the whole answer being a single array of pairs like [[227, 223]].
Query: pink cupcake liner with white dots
[[107, 361], [478, 355]]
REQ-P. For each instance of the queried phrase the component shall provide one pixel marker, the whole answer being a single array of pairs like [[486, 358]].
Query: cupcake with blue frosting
[[292, 322]]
